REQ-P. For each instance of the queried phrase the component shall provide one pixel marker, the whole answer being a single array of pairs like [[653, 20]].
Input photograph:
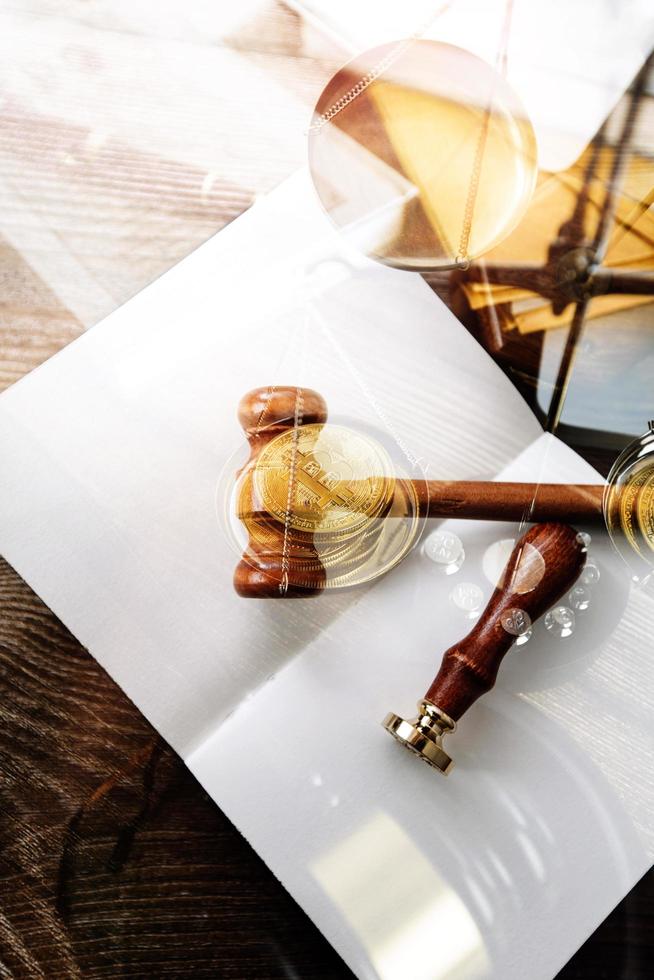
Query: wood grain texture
[[113, 861], [128, 137], [34, 323], [502, 501]]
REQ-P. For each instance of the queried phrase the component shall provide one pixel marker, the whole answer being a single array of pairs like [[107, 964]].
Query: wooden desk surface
[[129, 133]]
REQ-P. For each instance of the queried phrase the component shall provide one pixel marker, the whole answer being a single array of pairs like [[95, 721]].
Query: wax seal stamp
[[543, 566]]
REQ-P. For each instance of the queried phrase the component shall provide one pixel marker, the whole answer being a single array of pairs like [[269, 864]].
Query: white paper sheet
[[111, 454], [503, 868]]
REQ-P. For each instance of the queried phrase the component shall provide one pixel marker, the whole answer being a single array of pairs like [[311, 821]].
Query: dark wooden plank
[[114, 861], [622, 948]]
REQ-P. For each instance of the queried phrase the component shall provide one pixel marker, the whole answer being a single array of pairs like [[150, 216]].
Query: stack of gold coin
[[629, 504], [319, 496]]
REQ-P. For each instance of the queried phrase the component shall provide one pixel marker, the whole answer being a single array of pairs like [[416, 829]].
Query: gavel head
[[266, 412], [317, 501]]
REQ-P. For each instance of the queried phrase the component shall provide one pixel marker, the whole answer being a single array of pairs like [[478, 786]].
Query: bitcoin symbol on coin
[[327, 480]]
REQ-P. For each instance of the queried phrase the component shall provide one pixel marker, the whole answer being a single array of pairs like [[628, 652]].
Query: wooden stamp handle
[[544, 565]]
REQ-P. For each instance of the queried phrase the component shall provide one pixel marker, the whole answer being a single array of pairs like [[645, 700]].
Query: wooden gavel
[[543, 565], [288, 564]]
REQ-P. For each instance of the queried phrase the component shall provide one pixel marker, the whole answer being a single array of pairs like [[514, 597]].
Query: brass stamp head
[[423, 734]]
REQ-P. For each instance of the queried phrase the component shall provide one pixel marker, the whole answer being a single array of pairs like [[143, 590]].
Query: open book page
[[112, 457], [112, 451], [504, 868]]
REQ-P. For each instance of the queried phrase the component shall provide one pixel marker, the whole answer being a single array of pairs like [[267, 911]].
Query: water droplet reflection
[[560, 621], [495, 559], [580, 598], [467, 597], [516, 621], [446, 550], [584, 539], [590, 575]]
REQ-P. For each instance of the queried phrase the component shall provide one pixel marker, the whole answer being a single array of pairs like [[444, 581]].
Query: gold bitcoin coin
[[324, 479], [268, 536], [645, 506], [636, 508], [400, 530]]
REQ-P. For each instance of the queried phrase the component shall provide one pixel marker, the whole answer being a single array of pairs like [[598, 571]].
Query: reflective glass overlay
[[629, 506], [429, 164], [320, 506]]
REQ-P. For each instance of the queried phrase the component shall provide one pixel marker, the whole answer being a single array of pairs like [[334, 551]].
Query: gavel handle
[[531, 502], [512, 502]]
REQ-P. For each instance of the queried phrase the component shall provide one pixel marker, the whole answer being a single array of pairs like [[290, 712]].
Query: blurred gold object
[[630, 247], [442, 170], [426, 164], [394, 536], [629, 504]]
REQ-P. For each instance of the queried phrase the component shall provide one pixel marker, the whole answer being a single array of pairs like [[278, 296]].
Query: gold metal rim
[[380, 494], [425, 746]]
